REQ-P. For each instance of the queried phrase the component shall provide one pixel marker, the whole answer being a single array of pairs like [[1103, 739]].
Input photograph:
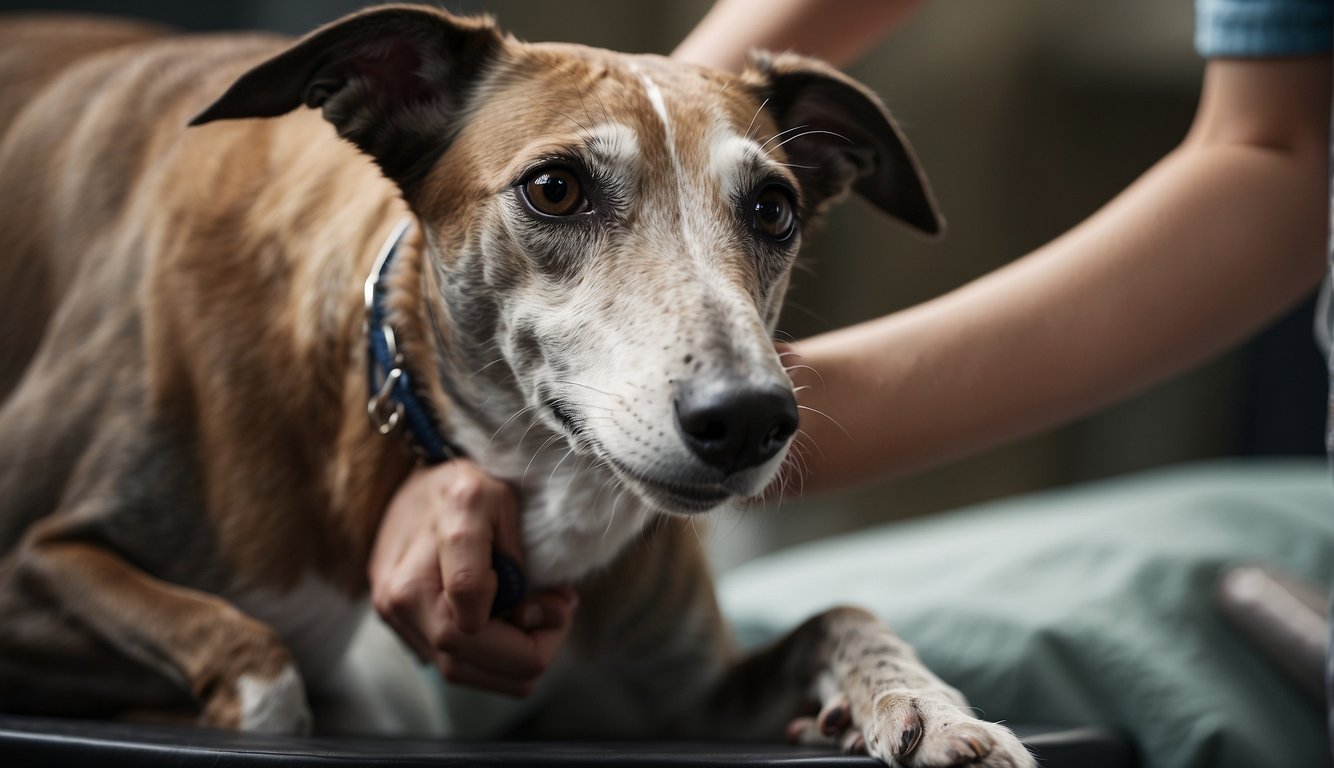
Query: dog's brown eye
[[773, 215], [554, 192]]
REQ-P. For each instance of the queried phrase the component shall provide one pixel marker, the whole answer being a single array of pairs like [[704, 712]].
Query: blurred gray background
[[1027, 115]]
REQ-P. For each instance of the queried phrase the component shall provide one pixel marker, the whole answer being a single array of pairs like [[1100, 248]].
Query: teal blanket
[[1088, 605]]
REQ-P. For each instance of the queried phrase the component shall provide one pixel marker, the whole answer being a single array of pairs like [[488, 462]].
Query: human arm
[[432, 581], [1216, 239], [837, 32]]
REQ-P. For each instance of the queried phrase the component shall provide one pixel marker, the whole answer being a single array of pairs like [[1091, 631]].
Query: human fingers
[[472, 506], [404, 519], [406, 594], [463, 673], [514, 651]]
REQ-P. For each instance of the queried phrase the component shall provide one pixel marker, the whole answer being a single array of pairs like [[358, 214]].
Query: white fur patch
[[729, 156], [274, 706], [616, 145]]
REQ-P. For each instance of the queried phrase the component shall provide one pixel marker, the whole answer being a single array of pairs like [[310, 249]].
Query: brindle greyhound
[[599, 246]]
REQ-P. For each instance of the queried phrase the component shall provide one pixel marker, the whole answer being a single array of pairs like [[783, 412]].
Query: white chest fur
[[575, 520]]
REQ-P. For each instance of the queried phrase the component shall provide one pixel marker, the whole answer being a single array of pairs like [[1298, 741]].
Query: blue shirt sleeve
[[1252, 28]]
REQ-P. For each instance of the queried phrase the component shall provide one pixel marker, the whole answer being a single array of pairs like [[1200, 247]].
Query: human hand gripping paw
[[434, 581]]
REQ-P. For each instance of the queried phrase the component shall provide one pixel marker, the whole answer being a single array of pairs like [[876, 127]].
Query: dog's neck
[[574, 517]]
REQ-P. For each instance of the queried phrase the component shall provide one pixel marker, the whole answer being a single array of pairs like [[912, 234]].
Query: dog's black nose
[[733, 423]]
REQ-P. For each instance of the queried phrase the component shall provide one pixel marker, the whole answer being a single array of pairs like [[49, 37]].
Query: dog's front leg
[[236, 669], [874, 693]]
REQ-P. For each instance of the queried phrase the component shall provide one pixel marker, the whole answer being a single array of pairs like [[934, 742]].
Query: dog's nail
[[911, 736]]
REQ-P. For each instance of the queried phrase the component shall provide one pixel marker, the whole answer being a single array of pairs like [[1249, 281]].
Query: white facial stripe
[[659, 106], [697, 235]]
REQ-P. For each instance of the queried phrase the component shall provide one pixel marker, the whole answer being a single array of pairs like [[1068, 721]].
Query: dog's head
[[620, 228]]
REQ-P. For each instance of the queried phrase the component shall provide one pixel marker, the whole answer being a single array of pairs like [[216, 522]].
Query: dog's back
[[94, 125], [68, 179], [79, 98], [35, 51], [119, 228]]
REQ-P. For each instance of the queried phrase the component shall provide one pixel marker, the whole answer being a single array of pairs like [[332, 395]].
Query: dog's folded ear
[[393, 80], [839, 136]]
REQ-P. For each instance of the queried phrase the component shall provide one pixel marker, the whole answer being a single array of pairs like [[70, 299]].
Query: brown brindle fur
[[183, 369]]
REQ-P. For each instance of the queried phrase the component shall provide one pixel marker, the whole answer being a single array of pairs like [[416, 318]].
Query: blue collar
[[393, 403]]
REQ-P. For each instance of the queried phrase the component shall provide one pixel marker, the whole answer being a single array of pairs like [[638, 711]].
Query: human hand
[[432, 581]]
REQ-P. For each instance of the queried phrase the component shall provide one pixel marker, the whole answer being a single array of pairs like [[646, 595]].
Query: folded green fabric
[[1088, 605]]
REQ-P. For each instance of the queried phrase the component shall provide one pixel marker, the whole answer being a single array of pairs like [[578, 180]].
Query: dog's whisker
[[506, 423], [610, 481], [488, 365], [579, 127], [606, 115], [802, 466], [551, 476], [611, 518], [573, 475], [781, 133], [812, 133], [531, 423], [537, 453], [695, 531], [580, 93], [737, 523], [831, 419], [574, 383], [753, 117], [803, 367], [807, 444]]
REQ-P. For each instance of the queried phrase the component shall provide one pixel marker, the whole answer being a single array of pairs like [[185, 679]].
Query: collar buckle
[[384, 409]]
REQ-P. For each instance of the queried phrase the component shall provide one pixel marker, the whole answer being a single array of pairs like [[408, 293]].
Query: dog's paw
[[260, 703], [276, 705], [916, 731]]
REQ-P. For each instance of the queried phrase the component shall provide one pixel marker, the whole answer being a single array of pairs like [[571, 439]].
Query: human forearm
[[837, 32], [1213, 241]]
